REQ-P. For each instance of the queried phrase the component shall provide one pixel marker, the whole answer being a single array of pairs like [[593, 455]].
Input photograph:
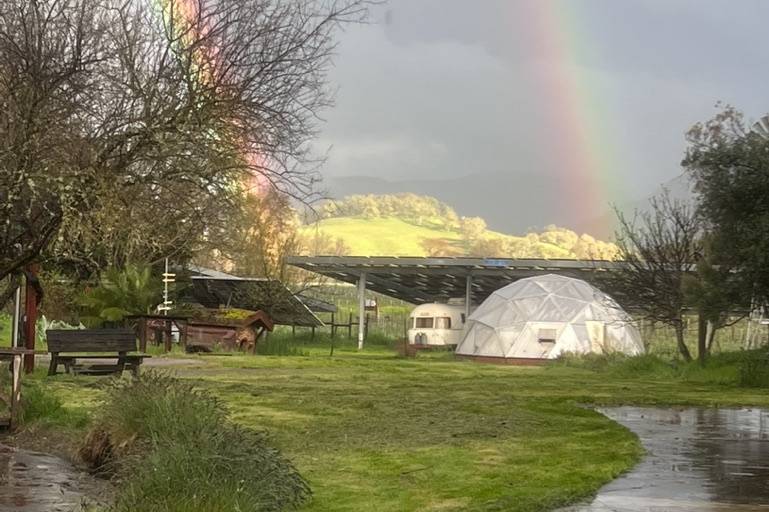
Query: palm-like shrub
[[133, 290]]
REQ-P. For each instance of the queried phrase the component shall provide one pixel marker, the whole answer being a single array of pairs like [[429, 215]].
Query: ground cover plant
[[370, 430], [172, 448]]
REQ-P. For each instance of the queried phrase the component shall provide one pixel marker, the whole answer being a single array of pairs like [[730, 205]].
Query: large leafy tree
[[127, 130], [730, 166]]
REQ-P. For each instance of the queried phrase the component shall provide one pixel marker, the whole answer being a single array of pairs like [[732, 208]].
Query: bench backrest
[[91, 340]]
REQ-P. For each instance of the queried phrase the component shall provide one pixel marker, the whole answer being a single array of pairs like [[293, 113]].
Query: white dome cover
[[545, 316]]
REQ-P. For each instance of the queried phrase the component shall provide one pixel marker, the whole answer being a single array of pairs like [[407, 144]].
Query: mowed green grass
[[371, 431]]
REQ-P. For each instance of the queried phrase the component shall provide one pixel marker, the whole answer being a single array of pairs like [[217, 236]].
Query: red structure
[[157, 329], [32, 297], [205, 336]]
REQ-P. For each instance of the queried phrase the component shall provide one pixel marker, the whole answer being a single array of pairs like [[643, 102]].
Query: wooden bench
[[93, 344]]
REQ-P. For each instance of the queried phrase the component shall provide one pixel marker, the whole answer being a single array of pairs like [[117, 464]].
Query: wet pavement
[[705, 460], [36, 482]]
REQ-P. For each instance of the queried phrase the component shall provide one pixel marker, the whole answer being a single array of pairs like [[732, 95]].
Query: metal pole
[[361, 309], [16, 318], [468, 295]]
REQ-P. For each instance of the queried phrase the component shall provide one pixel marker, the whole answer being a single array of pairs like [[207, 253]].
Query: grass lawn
[[374, 432]]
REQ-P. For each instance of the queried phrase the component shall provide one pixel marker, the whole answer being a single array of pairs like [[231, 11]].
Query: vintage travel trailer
[[436, 324]]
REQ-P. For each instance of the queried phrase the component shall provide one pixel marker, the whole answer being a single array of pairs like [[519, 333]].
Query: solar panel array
[[420, 280]]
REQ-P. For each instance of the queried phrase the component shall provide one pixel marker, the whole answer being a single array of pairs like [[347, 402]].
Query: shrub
[[645, 365], [37, 404], [133, 290], [594, 362], [620, 365], [376, 338], [278, 344], [173, 449], [753, 369]]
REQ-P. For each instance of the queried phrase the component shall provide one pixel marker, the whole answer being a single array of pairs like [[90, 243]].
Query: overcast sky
[[444, 88]]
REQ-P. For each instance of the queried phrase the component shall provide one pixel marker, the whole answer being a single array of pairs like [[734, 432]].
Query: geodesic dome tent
[[545, 316]]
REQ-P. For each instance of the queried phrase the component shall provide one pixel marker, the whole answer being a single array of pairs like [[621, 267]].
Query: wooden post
[[293, 331], [182, 325], [349, 327], [30, 312], [142, 327], [312, 338], [16, 318], [256, 339], [333, 329], [16, 364], [167, 335]]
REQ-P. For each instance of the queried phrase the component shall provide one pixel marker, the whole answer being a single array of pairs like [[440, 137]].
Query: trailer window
[[424, 322], [443, 322]]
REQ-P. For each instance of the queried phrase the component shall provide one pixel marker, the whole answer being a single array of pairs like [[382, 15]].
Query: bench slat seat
[[83, 344]]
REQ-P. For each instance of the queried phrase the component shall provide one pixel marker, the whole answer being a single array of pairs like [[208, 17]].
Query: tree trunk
[[682, 348], [711, 335], [702, 339], [10, 289]]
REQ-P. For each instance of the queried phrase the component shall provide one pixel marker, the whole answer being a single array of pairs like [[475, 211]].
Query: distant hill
[[414, 225], [513, 204], [508, 203]]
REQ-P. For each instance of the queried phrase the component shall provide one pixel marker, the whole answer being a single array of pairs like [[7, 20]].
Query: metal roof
[[420, 280], [209, 272], [316, 305], [254, 294]]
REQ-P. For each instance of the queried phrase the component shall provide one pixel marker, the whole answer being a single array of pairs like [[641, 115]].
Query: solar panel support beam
[[468, 295], [361, 309]]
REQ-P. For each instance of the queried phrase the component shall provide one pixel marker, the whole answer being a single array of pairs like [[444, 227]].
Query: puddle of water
[[713, 460], [36, 482]]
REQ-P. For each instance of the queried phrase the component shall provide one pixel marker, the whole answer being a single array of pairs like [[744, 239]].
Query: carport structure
[[420, 280]]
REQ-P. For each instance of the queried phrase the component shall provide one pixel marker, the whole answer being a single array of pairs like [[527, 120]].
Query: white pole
[[165, 290], [16, 318], [468, 295], [167, 278], [361, 308]]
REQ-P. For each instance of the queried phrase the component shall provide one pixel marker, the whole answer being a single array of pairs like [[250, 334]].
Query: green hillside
[[383, 236], [410, 225]]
